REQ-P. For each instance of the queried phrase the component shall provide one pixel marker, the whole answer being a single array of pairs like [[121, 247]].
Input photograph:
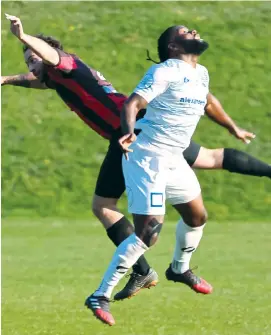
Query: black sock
[[118, 233], [240, 162]]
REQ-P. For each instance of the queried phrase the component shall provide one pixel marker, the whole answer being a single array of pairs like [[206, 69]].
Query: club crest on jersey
[[147, 81], [186, 80]]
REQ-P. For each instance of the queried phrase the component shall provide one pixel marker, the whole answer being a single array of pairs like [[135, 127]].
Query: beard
[[194, 47]]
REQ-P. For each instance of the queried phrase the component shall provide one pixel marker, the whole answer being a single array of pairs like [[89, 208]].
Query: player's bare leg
[[147, 229], [231, 160], [188, 235], [106, 210]]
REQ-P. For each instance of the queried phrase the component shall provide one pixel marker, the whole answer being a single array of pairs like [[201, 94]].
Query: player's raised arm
[[27, 80], [47, 53], [215, 112]]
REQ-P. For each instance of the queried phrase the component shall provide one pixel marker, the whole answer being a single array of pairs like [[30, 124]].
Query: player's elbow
[[209, 109], [130, 106], [135, 103], [52, 57]]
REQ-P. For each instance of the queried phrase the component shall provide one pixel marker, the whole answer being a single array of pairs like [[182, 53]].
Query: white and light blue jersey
[[176, 94]]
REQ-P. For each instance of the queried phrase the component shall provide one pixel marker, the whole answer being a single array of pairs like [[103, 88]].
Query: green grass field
[[50, 266], [51, 159], [50, 162]]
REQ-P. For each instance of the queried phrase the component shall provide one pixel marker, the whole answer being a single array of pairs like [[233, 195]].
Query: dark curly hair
[[48, 39], [163, 42]]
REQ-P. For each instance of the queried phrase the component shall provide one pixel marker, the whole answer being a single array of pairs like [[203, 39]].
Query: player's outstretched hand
[[125, 141], [243, 135], [3, 79], [16, 26]]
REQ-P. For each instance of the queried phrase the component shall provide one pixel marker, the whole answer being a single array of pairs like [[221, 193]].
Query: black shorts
[[110, 182], [191, 153]]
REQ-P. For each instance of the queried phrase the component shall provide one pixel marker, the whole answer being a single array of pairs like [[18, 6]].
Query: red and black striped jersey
[[87, 93]]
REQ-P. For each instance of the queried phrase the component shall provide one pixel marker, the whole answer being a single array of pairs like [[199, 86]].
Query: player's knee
[[97, 210], [203, 217], [101, 207], [218, 155], [209, 159], [96, 207], [151, 232], [198, 219]]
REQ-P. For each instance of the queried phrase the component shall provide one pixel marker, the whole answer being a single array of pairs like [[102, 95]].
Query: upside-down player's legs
[[228, 159]]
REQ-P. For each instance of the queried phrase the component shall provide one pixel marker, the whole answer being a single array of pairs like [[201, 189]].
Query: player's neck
[[190, 59]]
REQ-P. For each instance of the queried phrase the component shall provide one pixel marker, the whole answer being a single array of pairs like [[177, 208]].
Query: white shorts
[[156, 172]]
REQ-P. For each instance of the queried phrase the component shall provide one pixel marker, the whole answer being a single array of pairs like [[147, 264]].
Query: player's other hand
[[3, 80], [16, 26], [125, 142], [243, 135]]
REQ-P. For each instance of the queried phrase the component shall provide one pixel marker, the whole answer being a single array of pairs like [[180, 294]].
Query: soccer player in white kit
[[175, 92]]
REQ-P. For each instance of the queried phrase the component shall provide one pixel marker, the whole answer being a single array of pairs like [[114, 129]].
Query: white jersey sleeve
[[155, 82], [204, 76]]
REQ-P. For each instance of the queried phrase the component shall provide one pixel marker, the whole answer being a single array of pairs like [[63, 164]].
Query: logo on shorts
[[157, 199], [186, 80]]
